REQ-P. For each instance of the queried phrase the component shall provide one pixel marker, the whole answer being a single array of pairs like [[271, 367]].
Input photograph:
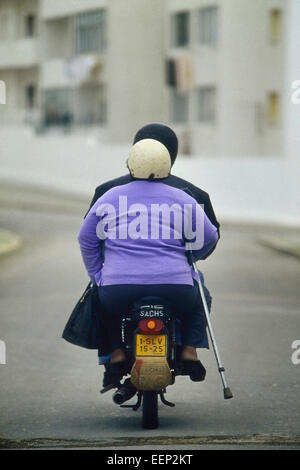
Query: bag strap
[[88, 288]]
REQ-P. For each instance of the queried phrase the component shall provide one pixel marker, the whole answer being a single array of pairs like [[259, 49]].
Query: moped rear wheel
[[150, 410]]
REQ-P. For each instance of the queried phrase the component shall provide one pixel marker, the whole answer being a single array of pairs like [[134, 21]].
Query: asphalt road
[[49, 389]]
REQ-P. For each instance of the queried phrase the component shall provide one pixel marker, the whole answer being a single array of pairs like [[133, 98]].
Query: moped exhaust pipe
[[124, 393]]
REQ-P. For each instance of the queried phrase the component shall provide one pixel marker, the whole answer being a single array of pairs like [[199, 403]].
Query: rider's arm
[[205, 234], [90, 246], [209, 211], [203, 199]]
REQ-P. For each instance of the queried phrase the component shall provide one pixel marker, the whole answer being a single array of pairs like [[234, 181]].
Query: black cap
[[163, 134]]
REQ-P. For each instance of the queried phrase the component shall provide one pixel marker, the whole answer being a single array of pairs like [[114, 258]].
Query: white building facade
[[84, 63], [213, 69], [234, 52], [19, 59]]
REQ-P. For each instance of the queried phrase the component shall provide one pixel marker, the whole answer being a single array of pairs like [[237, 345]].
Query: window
[[29, 26], [30, 92], [275, 26], [58, 107], [206, 104], [171, 72], [273, 108], [179, 107], [180, 29], [208, 26], [90, 107], [91, 32]]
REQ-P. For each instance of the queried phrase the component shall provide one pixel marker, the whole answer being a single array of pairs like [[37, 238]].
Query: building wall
[[132, 67], [12, 15], [19, 60], [136, 66], [84, 95], [244, 67], [17, 48], [57, 38], [17, 110], [258, 70], [291, 119]]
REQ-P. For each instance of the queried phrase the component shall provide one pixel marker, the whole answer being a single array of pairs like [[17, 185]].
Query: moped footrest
[[107, 388]]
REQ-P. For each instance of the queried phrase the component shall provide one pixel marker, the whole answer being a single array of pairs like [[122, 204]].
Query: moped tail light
[[151, 326]]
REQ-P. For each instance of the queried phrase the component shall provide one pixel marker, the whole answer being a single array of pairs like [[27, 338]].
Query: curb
[[9, 242], [288, 246]]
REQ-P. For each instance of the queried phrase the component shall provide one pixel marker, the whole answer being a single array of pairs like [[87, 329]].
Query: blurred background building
[[234, 51], [83, 63], [219, 72], [213, 69]]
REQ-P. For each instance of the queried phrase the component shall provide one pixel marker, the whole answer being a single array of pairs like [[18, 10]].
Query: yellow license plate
[[151, 345]]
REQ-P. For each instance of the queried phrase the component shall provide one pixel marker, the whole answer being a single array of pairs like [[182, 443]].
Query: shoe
[[195, 369], [112, 375]]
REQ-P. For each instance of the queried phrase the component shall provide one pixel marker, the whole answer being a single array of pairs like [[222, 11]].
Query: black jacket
[[201, 196]]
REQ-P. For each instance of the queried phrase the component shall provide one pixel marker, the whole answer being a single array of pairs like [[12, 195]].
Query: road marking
[[2, 92], [2, 352]]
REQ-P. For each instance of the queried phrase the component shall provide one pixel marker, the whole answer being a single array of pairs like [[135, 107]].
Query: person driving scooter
[[136, 263]]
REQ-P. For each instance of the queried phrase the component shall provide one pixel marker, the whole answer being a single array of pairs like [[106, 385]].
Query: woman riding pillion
[[144, 226]]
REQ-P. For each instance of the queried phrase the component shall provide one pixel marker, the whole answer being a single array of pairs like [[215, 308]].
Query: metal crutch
[[226, 389]]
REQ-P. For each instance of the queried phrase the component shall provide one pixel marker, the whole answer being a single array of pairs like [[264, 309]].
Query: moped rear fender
[[151, 373]]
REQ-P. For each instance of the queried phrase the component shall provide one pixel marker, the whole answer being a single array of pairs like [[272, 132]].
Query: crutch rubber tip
[[227, 393]]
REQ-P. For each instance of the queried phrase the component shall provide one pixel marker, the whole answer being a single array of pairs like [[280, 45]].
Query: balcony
[[21, 53], [51, 9]]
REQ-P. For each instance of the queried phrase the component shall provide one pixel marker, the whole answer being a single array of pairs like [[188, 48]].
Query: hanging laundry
[[179, 73], [80, 68], [183, 73]]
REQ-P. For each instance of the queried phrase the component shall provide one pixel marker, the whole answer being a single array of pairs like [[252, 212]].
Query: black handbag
[[84, 327]]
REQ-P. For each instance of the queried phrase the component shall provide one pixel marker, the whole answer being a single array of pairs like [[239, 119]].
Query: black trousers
[[185, 301]]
